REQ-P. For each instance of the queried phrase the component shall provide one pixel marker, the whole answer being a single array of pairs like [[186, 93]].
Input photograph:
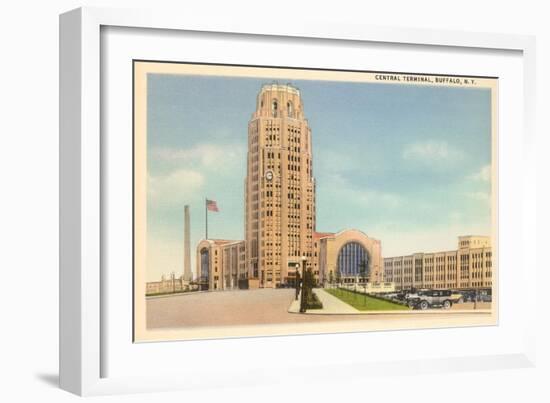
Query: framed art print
[[234, 197]]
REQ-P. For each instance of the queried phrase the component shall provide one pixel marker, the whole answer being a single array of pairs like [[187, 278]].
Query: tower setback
[[279, 187]]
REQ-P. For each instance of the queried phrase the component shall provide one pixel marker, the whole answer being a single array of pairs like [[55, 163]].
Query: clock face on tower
[[269, 175]]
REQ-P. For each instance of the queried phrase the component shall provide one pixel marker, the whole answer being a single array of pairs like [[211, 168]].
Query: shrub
[[313, 301]]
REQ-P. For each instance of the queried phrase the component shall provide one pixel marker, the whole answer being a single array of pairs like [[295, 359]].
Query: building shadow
[[49, 379]]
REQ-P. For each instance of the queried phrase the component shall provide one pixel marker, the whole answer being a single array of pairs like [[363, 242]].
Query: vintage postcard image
[[278, 201]]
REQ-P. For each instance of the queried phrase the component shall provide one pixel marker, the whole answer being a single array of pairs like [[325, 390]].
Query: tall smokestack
[[187, 275]]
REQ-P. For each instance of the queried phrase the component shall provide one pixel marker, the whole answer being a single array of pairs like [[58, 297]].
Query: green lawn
[[364, 302]]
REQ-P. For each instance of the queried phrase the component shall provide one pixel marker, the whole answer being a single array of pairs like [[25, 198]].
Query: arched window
[[352, 259], [290, 109], [274, 108]]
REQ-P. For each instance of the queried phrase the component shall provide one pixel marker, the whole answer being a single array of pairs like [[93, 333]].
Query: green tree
[[338, 278], [307, 289], [331, 278]]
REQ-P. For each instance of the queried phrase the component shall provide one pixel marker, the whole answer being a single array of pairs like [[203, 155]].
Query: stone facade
[[221, 264], [468, 267], [280, 188], [345, 253]]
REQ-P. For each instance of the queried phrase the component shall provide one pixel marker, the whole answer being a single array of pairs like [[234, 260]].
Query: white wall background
[[29, 201]]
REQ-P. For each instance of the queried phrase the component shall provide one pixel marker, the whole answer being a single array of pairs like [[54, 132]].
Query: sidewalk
[[331, 304], [334, 306]]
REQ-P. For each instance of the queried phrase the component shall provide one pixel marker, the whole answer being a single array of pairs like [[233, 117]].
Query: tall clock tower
[[279, 187]]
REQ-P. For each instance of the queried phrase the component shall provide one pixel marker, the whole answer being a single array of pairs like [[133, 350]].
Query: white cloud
[[335, 161], [370, 197], [431, 151], [174, 187], [215, 157], [480, 196], [483, 175], [340, 186], [182, 173], [480, 180]]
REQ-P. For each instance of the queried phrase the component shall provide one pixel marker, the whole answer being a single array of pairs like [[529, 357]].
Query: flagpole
[[206, 215]]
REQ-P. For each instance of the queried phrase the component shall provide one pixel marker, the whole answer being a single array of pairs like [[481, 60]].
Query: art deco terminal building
[[279, 204], [279, 187]]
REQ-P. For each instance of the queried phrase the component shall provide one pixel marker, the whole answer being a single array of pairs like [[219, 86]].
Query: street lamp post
[[297, 282], [305, 286]]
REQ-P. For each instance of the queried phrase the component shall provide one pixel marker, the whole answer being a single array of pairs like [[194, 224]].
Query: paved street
[[263, 306], [226, 308]]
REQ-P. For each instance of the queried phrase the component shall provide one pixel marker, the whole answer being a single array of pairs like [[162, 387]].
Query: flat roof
[[280, 87]]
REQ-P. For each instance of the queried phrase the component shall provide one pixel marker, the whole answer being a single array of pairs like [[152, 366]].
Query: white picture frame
[[83, 305]]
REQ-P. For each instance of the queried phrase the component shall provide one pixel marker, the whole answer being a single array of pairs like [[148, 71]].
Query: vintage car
[[430, 299]]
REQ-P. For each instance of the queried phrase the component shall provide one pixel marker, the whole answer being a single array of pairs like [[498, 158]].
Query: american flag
[[211, 205]]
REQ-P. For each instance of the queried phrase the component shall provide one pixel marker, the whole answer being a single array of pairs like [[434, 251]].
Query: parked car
[[430, 299], [457, 297], [411, 298], [400, 296], [485, 295], [468, 295]]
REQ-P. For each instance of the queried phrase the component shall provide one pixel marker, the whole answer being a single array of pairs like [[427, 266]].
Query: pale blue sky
[[408, 165]]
